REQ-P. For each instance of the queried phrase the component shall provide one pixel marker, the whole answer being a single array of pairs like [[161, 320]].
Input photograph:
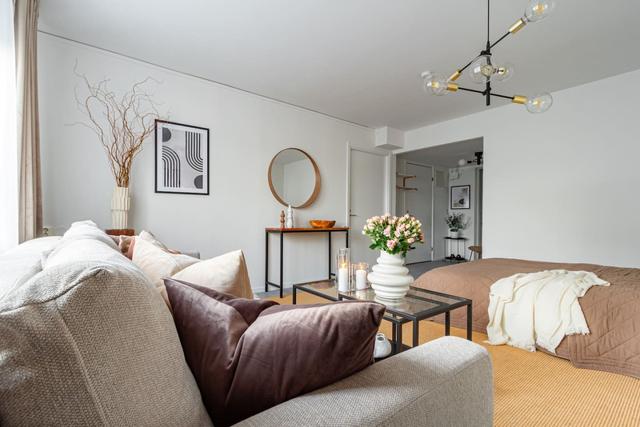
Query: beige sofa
[[86, 340]]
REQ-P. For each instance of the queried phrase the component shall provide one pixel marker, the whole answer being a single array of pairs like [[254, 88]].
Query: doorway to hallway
[[425, 182]]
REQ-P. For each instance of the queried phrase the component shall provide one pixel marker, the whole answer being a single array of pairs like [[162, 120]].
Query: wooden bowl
[[321, 223]]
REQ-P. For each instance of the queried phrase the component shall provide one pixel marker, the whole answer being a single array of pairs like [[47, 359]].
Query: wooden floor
[[536, 389]]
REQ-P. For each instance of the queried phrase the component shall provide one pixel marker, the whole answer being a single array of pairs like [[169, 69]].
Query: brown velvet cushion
[[250, 355]]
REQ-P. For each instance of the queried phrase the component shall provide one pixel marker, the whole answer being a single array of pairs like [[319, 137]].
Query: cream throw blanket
[[538, 308]]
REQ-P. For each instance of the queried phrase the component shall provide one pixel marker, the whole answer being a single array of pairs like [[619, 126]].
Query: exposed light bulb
[[539, 103], [434, 84], [504, 72], [537, 10], [481, 70], [462, 162]]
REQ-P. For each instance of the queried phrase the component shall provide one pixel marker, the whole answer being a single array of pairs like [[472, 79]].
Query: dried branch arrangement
[[122, 123]]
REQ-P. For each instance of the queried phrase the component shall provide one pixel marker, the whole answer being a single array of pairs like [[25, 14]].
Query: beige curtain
[[26, 40]]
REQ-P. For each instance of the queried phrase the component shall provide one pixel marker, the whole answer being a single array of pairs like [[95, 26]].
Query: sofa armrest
[[448, 381]]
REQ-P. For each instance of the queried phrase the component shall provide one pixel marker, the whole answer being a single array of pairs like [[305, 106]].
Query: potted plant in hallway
[[121, 123], [394, 237], [456, 223]]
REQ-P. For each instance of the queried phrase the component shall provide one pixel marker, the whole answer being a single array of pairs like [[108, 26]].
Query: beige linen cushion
[[157, 263], [91, 343], [127, 243], [225, 273], [149, 237]]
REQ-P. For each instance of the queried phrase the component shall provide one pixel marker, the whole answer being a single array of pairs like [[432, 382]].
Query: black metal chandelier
[[482, 69]]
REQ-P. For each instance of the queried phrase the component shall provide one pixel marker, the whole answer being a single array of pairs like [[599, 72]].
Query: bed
[[612, 313]]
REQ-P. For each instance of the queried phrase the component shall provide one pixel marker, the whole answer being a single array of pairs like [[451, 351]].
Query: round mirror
[[294, 178]]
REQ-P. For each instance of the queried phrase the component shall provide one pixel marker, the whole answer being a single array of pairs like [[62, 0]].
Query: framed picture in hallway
[[181, 158], [461, 197]]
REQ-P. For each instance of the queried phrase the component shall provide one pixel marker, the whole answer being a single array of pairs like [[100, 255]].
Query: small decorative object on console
[[289, 217], [394, 236], [321, 223], [282, 219]]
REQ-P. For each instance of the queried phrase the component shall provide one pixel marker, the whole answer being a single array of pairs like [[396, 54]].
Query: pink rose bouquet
[[392, 234]]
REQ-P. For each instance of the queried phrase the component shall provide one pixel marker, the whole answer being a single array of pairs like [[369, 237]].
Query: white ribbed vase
[[120, 204], [390, 279]]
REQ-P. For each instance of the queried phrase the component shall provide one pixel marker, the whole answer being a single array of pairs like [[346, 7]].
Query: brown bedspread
[[612, 313]]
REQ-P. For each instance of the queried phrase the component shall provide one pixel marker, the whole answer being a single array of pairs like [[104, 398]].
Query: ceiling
[[358, 60], [445, 155]]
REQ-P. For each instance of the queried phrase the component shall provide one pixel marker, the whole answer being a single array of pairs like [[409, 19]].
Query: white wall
[[467, 177], [246, 132], [559, 186]]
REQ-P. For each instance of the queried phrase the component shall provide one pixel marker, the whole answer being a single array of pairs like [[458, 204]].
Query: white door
[[366, 199], [418, 203], [440, 211]]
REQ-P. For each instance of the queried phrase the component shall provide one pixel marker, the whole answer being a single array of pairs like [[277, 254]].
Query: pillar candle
[[343, 278], [361, 279]]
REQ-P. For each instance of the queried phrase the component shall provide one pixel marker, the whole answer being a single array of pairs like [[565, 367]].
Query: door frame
[[478, 205], [387, 178], [433, 208]]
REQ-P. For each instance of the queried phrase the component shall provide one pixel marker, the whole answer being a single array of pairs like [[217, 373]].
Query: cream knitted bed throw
[[529, 309]]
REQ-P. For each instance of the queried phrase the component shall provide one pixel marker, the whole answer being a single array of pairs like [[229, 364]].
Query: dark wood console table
[[120, 232], [282, 232]]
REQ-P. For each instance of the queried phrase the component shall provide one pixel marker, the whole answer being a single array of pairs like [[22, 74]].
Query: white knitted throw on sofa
[[529, 309]]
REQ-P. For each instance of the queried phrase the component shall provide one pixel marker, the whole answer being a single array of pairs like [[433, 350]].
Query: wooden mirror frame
[[316, 188]]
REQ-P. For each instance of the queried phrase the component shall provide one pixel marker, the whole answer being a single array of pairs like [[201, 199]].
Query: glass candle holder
[[361, 271], [344, 266]]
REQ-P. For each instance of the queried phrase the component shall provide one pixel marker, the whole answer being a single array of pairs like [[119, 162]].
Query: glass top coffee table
[[419, 304]]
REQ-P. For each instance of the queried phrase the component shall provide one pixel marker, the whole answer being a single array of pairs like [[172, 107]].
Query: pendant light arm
[[519, 24], [517, 99], [500, 39], [456, 74], [466, 89], [497, 95]]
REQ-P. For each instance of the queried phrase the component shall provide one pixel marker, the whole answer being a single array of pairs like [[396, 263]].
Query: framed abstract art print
[[182, 158]]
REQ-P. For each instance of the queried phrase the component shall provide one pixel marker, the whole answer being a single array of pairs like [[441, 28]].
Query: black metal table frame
[[284, 231], [398, 319], [447, 246]]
